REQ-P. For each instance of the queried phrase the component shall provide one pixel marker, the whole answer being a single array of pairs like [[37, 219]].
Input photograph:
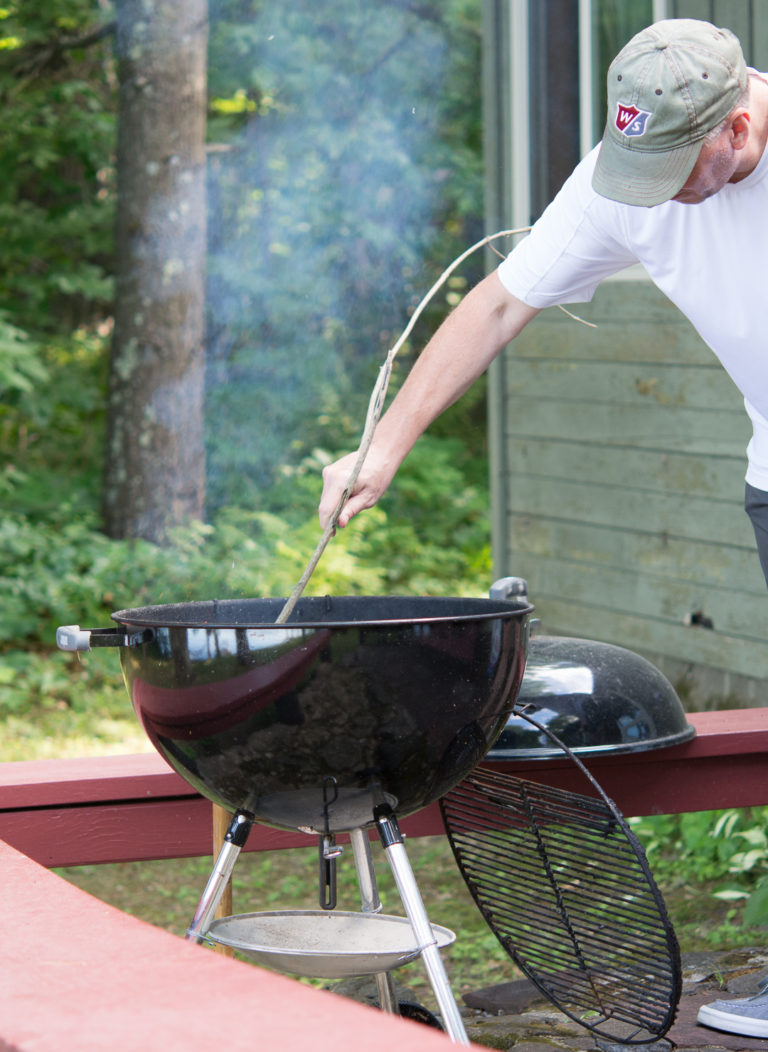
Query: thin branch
[[33, 59], [90, 38], [375, 406], [575, 317]]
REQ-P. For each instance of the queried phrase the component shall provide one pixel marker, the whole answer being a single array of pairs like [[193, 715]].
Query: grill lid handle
[[509, 588]]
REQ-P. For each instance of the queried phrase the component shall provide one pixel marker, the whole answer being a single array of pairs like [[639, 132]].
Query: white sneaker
[[747, 1016]]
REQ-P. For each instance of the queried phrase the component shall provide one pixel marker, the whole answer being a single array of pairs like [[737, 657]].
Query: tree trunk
[[155, 461]]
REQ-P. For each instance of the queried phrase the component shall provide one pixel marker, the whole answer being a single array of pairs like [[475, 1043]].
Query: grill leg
[[392, 841], [369, 896], [366, 874], [234, 841]]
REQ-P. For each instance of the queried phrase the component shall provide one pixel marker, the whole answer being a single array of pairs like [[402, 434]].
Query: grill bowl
[[354, 703]]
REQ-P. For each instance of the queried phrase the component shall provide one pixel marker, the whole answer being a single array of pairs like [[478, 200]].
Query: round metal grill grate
[[564, 885]]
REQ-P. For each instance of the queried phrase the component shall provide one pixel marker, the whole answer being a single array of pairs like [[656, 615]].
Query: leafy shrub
[[68, 570], [727, 850], [20, 364]]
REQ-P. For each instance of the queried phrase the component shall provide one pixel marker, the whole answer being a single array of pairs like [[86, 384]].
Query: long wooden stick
[[375, 406]]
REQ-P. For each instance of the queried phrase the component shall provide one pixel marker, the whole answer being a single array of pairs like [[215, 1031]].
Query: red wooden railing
[[77, 974], [123, 808]]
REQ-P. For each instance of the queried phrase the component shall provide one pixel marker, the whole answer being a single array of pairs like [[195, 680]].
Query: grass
[[57, 706]]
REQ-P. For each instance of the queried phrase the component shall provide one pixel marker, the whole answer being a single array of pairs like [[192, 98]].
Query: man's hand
[[370, 485]]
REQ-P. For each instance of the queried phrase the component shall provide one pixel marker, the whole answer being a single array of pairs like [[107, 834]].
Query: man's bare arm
[[460, 351]]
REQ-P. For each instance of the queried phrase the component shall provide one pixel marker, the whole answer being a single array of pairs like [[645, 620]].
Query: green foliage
[[55, 708], [57, 192], [68, 568], [20, 364], [726, 850], [56, 219], [668, 839], [51, 427], [437, 528]]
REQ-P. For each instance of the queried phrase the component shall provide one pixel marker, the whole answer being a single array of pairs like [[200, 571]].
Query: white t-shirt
[[709, 259]]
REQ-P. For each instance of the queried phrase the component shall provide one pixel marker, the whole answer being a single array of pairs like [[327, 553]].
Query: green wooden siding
[[623, 496], [748, 19]]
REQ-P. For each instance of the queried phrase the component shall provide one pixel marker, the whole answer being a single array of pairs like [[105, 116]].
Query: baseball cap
[[667, 88]]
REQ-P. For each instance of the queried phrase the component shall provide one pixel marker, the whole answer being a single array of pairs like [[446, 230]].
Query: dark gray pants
[[756, 506]]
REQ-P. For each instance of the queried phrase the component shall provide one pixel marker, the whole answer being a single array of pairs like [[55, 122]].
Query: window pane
[[614, 22], [554, 103]]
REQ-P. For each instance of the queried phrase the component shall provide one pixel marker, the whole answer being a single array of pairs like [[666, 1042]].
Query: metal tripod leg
[[234, 841], [392, 841], [369, 895]]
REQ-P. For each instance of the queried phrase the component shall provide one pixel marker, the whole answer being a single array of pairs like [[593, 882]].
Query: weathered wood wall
[[747, 18], [624, 484]]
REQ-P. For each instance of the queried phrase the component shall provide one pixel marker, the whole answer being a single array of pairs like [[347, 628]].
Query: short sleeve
[[575, 244]]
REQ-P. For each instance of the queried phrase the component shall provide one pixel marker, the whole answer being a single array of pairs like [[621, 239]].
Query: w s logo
[[630, 120]]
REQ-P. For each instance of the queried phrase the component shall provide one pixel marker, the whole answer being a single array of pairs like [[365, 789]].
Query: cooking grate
[[565, 886]]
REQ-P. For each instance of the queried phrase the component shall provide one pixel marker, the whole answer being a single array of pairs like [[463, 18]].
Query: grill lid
[[596, 697]]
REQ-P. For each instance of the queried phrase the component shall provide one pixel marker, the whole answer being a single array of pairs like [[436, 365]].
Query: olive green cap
[[673, 83]]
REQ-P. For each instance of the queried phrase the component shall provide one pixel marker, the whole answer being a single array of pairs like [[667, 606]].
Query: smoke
[[327, 181]]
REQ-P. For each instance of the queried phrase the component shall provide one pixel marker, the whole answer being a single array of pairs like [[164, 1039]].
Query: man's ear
[[740, 123]]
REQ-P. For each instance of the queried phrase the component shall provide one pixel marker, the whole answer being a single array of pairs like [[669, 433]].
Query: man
[[678, 183]]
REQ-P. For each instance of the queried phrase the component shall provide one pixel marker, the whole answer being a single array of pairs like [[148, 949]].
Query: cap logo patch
[[630, 120]]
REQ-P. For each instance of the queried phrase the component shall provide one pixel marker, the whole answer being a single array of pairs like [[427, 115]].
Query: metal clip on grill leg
[[328, 850]]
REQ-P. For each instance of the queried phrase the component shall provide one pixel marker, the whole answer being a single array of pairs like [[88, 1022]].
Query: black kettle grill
[[358, 710]]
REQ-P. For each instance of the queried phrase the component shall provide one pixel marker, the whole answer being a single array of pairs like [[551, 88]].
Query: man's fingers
[[366, 491], [353, 507]]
